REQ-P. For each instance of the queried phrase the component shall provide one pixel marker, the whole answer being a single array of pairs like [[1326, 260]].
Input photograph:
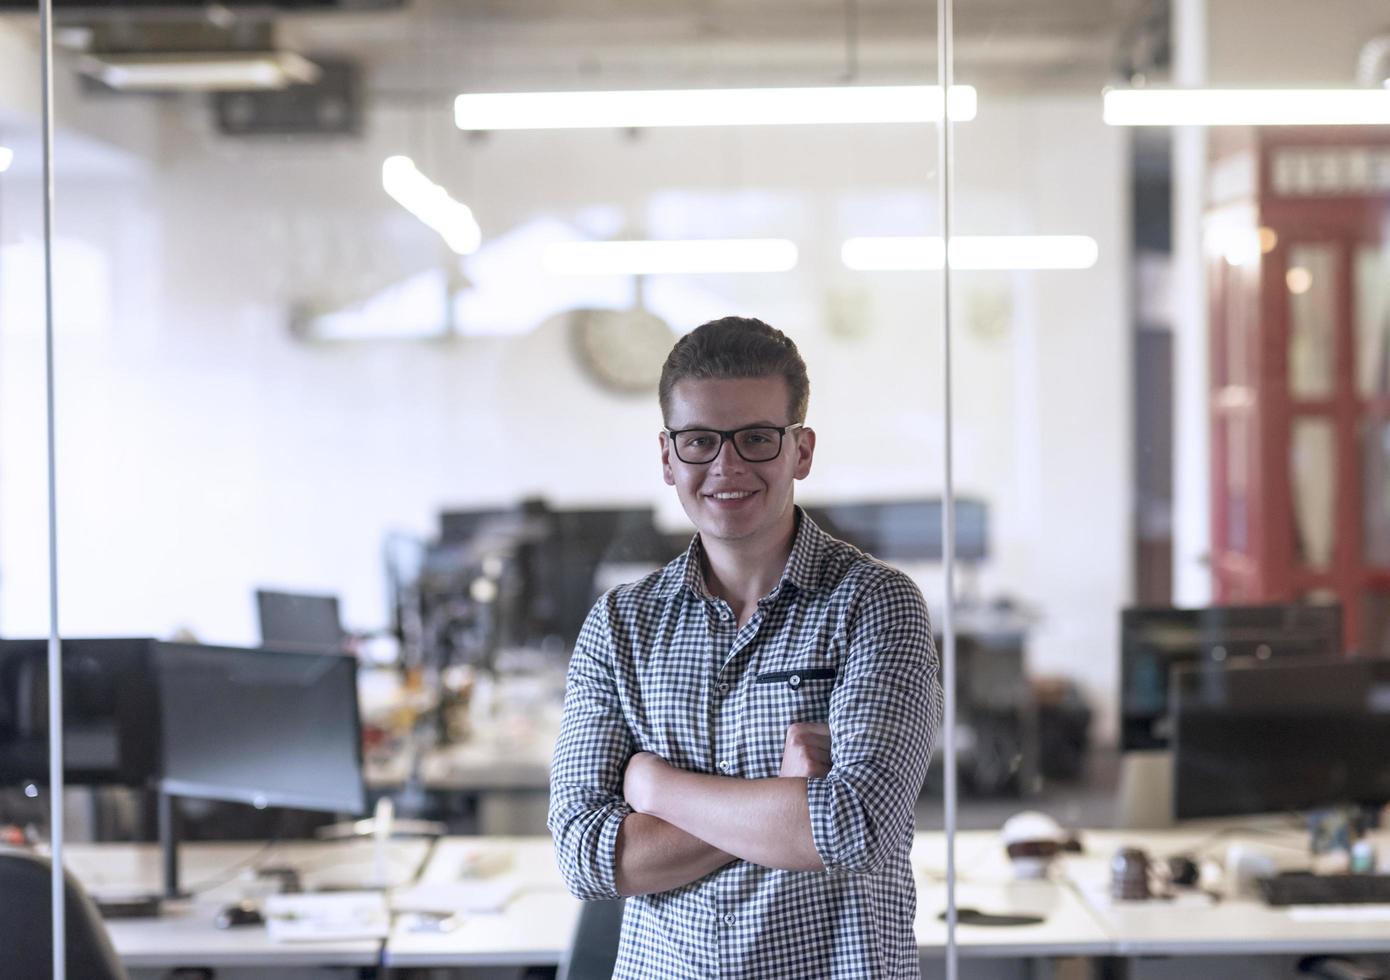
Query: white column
[[1192, 580]]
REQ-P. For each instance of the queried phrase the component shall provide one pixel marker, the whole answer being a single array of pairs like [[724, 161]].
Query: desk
[[185, 935], [985, 881], [1241, 926], [534, 929]]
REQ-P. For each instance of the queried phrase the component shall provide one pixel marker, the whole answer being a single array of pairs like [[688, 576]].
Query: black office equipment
[[331, 105], [1311, 889], [265, 727], [537, 566], [110, 716], [1154, 641], [466, 526], [299, 621], [906, 530], [582, 540], [1256, 737]]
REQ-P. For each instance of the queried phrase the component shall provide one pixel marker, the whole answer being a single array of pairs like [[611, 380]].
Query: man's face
[[730, 498]]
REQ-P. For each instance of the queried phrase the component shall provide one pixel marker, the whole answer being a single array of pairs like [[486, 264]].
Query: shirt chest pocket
[[782, 698]]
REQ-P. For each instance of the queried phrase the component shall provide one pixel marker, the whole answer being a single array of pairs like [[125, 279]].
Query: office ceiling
[[433, 49], [445, 46]]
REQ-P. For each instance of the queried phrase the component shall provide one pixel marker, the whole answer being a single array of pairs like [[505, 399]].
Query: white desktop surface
[[534, 928], [985, 881], [1191, 926], [536, 925], [185, 935]]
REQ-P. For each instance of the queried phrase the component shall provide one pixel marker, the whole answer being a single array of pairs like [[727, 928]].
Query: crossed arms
[[687, 824], [626, 822]]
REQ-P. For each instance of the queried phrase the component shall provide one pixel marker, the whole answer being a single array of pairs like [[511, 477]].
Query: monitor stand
[[169, 846], [1146, 790], [148, 905]]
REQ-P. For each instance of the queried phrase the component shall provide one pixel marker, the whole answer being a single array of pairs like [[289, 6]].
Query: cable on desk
[[1206, 842], [227, 874]]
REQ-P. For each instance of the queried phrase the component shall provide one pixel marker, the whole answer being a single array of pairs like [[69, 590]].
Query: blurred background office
[[340, 366]]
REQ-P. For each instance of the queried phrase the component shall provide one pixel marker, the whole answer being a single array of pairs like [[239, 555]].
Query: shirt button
[[729, 920], [724, 688], [794, 680], [724, 765]]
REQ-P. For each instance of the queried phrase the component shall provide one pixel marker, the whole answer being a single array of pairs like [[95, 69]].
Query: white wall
[[205, 451]]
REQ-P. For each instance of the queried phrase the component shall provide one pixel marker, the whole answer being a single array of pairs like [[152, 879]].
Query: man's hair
[[736, 347]]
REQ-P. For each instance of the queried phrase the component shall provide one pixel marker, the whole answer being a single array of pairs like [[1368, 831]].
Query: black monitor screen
[[1271, 737], [266, 727], [466, 526], [581, 541], [294, 621], [906, 530], [110, 718], [1155, 641]]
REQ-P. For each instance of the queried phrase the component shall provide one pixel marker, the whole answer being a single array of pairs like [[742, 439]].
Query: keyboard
[[1311, 889]]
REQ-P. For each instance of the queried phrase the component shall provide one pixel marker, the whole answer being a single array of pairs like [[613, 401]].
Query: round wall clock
[[622, 350]]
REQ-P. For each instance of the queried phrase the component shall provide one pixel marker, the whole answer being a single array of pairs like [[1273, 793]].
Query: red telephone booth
[[1297, 240]]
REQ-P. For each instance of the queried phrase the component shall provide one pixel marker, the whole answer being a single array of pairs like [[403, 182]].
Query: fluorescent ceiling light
[[670, 257], [431, 203], [711, 107], [201, 71], [971, 252], [6, 158], [1247, 107]]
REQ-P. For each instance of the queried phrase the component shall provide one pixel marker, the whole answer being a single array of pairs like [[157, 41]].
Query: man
[[746, 731]]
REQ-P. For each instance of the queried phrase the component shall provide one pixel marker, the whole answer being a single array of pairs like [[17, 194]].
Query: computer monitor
[[464, 526], [266, 727], [582, 540], [299, 621], [906, 530], [1154, 641], [110, 715], [1269, 737]]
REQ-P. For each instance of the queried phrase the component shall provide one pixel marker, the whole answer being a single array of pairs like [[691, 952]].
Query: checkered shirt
[[661, 667]]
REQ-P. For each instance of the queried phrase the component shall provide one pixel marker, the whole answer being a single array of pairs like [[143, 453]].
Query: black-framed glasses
[[755, 443]]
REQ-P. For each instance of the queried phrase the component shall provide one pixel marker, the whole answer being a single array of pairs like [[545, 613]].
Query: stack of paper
[[331, 916]]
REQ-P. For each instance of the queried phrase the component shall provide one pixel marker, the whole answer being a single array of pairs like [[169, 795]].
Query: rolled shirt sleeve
[[586, 772], [884, 716]]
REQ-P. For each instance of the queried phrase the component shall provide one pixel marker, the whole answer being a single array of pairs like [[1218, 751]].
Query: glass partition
[[350, 370], [350, 366], [24, 592]]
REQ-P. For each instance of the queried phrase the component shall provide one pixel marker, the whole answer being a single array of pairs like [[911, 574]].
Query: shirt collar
[[802, 569]]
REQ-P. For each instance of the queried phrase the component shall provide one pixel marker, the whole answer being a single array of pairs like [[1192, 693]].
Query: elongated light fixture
[[1247, 107], [6, 158], [711, 107], [201, 71], [670, 257], [431, 203], [971, 252]]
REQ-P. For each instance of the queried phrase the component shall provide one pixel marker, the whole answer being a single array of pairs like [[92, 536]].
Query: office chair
[[26, 927], [593, 951]]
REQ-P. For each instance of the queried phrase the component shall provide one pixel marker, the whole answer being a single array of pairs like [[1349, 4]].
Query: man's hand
[[639, 782], [806, 752]]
